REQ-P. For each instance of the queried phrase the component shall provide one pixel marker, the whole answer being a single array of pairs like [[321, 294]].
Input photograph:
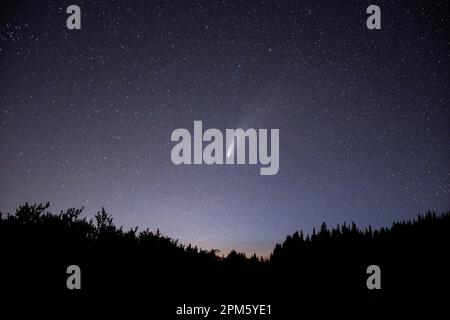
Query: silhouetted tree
[[330, 261]]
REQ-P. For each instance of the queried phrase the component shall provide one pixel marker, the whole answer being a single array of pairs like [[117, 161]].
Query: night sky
[[86, 115]]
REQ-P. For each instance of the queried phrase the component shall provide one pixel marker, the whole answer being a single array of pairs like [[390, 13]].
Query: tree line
[[38, 245]]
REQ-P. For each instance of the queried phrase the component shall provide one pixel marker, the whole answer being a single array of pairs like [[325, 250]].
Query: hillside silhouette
[[37, 246]]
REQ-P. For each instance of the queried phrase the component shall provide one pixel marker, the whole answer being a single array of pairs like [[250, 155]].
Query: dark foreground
[[37, 247]]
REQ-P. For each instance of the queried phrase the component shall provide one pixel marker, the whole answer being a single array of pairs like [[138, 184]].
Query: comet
[[255, 141]]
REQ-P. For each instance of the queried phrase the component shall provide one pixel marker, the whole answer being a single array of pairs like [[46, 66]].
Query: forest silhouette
[[37, 246]]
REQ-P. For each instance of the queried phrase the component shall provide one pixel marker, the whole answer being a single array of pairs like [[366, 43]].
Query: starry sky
[[86, 115]]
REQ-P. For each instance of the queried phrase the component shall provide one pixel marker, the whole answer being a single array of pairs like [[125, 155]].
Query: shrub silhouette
[[37, 246]]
